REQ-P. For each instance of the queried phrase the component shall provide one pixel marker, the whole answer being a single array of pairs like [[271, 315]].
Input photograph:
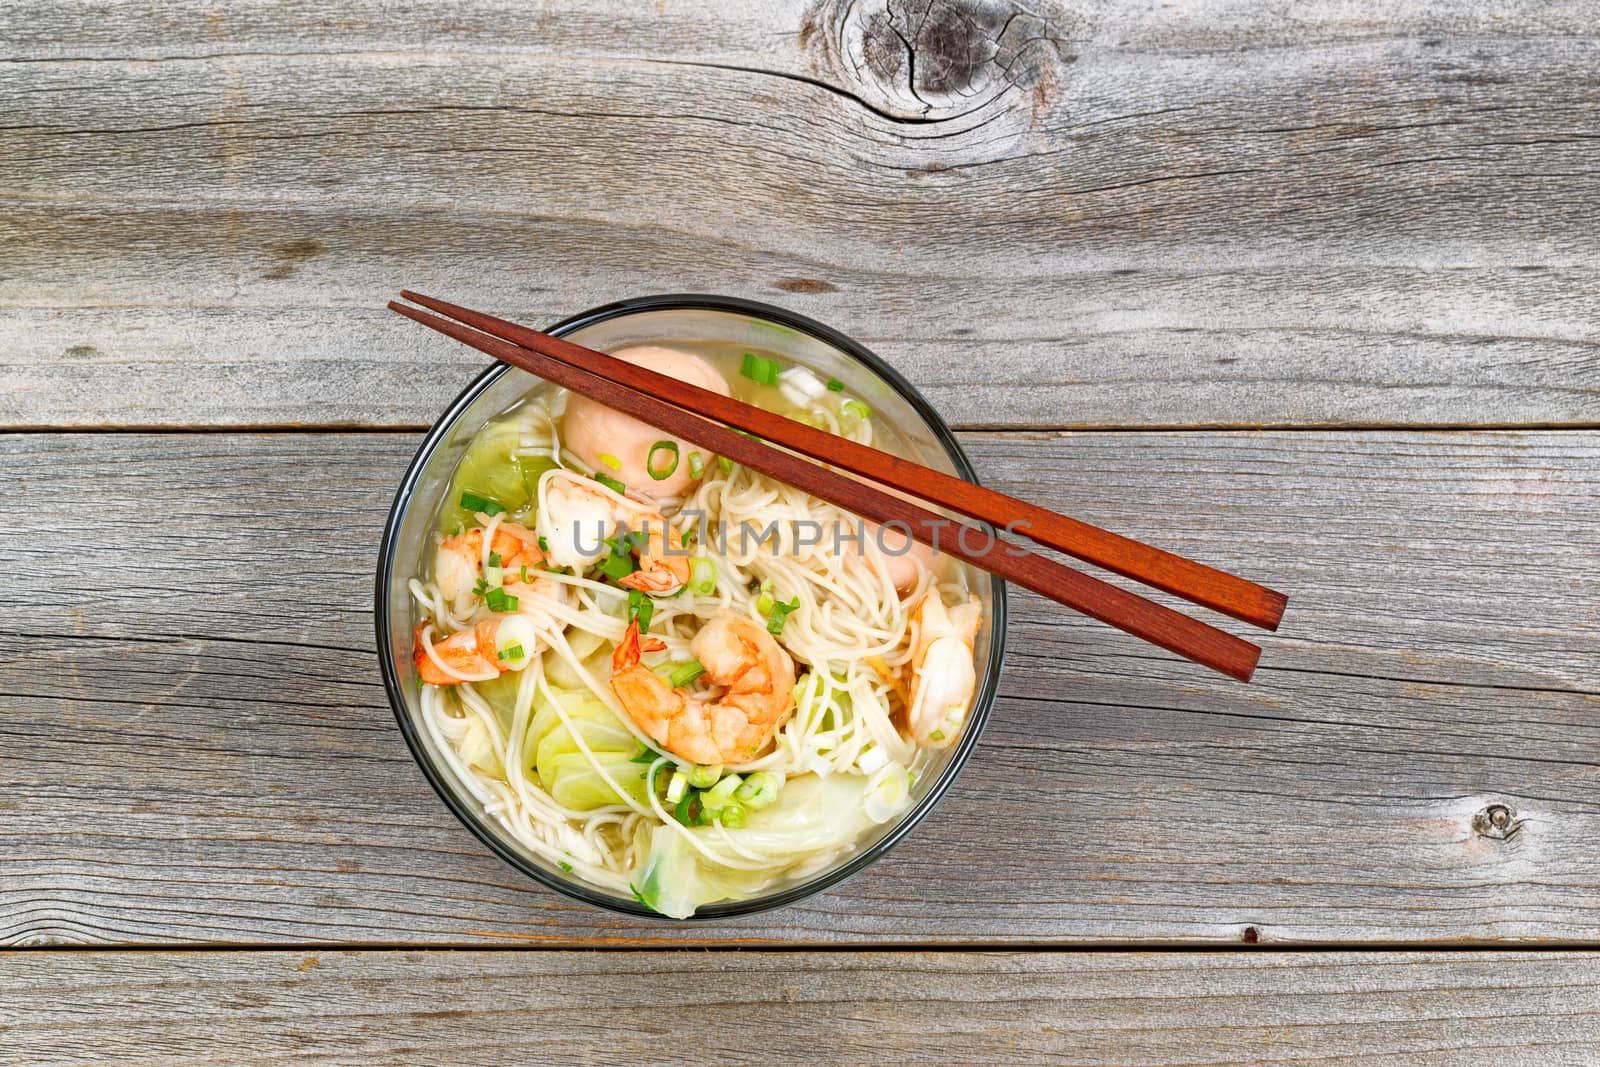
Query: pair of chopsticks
[[687, 411]]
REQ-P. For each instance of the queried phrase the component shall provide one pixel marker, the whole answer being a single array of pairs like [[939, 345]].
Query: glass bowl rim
[[437, 776]]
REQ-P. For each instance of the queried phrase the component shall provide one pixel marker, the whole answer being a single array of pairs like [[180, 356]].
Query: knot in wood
[[934, 60], [1497, 821]]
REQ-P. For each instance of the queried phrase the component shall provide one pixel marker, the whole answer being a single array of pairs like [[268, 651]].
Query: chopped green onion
[[721, 793], [835, 385], [495, 576], [684, 673], [609, 460], [703, 777], [757, 791], [617, 566], [511, 653], [656, 470], [494, 559], [765, 604], [702, 576], [480, 587], [731, 816], [856, 408], [524, 575], [726, 464], [610, 482], [911, 779], [544, 543], [640, 609], [475, 503], [646, 754], [678, 787], [564, 865], [697, 465], [687, 810], [937, 735], [779, 615], [759, 369], [499, 600]]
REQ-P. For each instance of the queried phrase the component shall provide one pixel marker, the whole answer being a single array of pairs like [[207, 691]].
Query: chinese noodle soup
[[669, 675]]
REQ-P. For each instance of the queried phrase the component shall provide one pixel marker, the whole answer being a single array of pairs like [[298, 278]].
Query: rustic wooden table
[[1306, 290]]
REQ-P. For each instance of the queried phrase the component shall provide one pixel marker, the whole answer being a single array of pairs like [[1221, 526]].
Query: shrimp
[[942, 674], [736, 653], [498, 641], [576, 514], [471, 655], [459, 562]]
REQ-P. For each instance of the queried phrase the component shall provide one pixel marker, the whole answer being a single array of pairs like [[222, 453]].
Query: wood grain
[[197, 748], [179, 1009], [1180, 215]]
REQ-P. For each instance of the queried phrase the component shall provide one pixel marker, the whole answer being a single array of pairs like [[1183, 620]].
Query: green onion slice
[[704, 777], [640, 609], [499, 600], [702, 576], [760, 369], [609, 460], [683, 674], [697, 465], [610, 482], [835, 385], [617, 566], [475, 503], [779, 614], [646, 754], [659, 469], [757, 791]]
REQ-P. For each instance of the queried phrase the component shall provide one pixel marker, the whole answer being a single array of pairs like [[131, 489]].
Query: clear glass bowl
[[663, 319]]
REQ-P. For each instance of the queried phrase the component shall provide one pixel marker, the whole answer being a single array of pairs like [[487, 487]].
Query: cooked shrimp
[[502, 641], [460, 561], [577, 514], [736, 653], [942, 674]]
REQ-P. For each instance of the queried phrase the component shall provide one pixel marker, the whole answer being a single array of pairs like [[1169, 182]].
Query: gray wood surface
[[1152, 215], [199, 749], [179, 1009], [1368, 226]]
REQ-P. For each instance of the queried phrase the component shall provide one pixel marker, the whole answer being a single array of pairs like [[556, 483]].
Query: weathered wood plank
[[176, 1009], [1374, 214], [197, 748]]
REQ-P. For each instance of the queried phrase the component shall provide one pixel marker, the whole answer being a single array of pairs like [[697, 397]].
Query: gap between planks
[[1107, 948]]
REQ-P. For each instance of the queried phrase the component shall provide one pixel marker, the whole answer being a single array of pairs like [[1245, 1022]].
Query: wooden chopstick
[[1196, 582], [1132, 614]]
